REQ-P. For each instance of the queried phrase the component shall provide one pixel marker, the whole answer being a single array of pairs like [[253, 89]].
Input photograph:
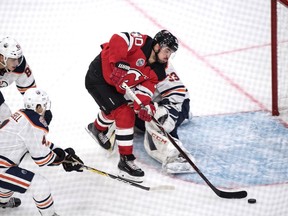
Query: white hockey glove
[[167, 115]]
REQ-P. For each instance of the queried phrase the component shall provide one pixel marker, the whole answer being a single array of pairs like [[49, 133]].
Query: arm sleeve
[[26, 79], [118, 47], [35, 140]]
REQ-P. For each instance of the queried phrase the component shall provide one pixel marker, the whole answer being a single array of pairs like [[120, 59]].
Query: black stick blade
[[232, 195]]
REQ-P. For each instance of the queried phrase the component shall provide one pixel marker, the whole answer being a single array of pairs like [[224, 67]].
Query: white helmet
[[35, 96], [10, 48]]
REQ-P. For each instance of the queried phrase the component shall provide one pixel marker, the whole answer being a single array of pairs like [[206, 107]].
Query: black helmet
[[165, 37]]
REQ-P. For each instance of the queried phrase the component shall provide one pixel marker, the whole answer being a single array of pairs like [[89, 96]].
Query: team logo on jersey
[[134, 77], [136, 73], [24, 171], [140, 62]]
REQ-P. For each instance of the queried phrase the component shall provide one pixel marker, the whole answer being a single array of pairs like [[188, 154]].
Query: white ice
[[224, 59]]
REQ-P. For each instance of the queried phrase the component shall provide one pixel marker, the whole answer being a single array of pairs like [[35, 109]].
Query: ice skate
[[128, 170], [12, 203], [178, 165], [99, 137]]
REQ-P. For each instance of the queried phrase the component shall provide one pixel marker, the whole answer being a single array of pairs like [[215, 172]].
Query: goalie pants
[[16, 179]]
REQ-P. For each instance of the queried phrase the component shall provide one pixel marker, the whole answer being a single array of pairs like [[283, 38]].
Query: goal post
[[279, 55]]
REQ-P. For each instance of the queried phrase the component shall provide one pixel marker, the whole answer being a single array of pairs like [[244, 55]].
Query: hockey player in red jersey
[[140, 62], [25, 133], [13, 68]]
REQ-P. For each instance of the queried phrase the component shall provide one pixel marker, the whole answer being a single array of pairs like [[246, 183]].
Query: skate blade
[[173, 172], [128, 177]]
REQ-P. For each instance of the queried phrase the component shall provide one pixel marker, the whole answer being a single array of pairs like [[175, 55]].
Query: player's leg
[[114, 109], [16, 179]]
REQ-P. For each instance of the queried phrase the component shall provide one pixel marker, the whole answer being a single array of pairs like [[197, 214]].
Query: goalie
[[172, 103]]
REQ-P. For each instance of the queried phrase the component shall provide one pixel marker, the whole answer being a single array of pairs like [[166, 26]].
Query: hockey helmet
[[10, 48], [35, 96], [165, 38]]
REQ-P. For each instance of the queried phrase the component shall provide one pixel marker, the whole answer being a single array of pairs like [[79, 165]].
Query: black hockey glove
[[72, 161], [59, 158]]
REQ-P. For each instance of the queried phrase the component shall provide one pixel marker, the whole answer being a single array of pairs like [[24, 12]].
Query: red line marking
[[205, 61]]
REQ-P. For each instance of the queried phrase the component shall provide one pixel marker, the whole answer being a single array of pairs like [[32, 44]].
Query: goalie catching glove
[[72, 161], [167, 114]]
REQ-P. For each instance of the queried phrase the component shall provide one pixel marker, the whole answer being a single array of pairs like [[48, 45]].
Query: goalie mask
[[10, 48], [34, 97]]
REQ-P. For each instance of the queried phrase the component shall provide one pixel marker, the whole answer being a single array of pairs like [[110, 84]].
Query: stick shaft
[[220, 193]]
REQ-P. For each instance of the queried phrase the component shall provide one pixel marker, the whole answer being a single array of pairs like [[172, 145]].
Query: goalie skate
[[178, 165]]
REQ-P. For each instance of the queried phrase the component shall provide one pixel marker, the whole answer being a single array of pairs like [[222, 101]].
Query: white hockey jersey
[[22, 76], [25, 131], [171, 88]]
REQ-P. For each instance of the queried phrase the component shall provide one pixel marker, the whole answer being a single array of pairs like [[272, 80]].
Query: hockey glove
[[59, 158], [167, 114], [72, 161], [144, 113], [119, 72]]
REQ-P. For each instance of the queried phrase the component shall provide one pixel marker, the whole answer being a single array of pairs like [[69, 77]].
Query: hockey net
[[279, 56]]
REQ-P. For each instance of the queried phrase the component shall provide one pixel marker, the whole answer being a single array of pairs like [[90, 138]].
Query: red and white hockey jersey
[[135, 49]]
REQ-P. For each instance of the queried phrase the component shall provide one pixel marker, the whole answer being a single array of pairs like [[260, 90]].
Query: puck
[[251, 200]]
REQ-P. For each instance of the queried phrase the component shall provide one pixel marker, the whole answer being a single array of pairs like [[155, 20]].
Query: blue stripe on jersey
[[5, 162], [173, 88], [21, 67], [37, 119], [16, 179], [45, 203]]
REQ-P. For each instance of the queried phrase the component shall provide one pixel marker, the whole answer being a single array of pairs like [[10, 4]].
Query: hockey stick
[[220, 193], [126, 181]]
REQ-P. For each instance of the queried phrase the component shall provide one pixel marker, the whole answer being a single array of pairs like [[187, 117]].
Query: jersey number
[[138, 40], [173, 77]]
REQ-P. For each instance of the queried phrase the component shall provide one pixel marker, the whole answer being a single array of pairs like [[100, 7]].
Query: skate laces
[[103, 138], [10, 204], [132, 165]]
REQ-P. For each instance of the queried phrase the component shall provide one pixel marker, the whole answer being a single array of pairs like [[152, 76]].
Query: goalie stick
[[220, 193], [126, 181]]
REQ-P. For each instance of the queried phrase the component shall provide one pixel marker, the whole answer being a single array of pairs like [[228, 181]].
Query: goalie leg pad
[[161, 149]]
